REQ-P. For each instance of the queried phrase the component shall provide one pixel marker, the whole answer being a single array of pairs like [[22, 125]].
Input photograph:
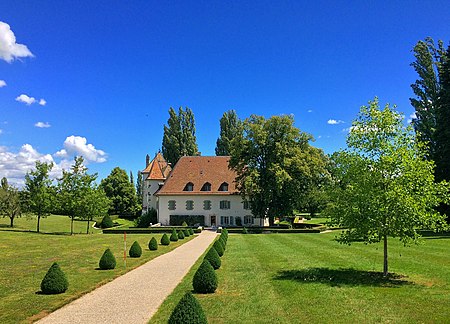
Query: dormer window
[[223, 187], [206, 187], [189, 187]]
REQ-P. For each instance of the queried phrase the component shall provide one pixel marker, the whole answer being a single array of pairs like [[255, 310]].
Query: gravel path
[[135, 296]]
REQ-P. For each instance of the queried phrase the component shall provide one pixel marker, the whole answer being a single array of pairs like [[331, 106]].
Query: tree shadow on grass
[[343, 277], [429, 235]]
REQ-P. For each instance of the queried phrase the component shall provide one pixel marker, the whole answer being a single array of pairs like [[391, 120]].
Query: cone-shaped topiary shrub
[[186, 233], [205, 279], [180, 235], [165, 239], [219, 248], [224, 243], [191, 231], [135, 250], [55, 281], [153, 245], [213, 258], [188, 310], [174, 236], [244, 230], [107, 261], [106, 222], [184, 223]]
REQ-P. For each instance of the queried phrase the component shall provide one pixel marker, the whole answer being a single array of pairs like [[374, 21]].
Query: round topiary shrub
[[107, 261], [188, 310], [180, 235], [106, 222], [191, 231], [205, 279], [244, 230], [55, 281], [135, 250], [186, 233], [153, 245], [165, 239], [213, 258], [219, 248], [174, 236]]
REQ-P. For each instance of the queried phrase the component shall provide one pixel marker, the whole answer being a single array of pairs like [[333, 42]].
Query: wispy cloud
[[42, 125], [412, 117], [2, 83], [42, 102], [9, 49], [334, 122], [310, 110]]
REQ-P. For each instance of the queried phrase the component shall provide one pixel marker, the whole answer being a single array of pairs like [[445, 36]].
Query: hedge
[[191, 220], [135, 230], [260, 230]]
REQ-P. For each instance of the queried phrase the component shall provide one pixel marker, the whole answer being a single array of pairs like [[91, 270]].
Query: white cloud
[[2, 83], [42, 102], [25, 99], [1, 131], [42, 125], [15, 165], [310, 110], [334, 122], [412, 117], [9, 49], [78, 145]]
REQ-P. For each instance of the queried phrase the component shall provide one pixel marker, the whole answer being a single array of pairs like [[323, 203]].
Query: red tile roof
[[199, 170], [157, 169]]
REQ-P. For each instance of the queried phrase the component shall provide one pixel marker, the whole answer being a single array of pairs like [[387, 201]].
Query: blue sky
[[109, 70]]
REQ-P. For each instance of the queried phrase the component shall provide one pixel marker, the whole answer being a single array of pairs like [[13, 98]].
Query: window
[[248, 219], [223, 187], [207, 204], [206, 187], [172, 205], [225, 204], [246, 204], [189, 187], [224, 220], [189, 204]]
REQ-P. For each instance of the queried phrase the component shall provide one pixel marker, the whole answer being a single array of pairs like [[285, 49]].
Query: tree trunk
[[87, 230], [71, 225], [385, 263], [271, 220], [39, 219], [12, 221]]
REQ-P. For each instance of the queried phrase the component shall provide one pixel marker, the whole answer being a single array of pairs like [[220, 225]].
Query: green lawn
[[26, 256], [309, 278]]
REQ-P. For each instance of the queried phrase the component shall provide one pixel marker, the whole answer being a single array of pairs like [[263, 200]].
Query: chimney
[[147, 160]]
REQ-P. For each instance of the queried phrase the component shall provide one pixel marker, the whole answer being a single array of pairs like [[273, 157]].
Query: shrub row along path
[[135, 296]]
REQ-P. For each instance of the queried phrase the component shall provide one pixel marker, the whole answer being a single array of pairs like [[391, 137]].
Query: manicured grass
[[316, 220], [26, 256], [309, 278]]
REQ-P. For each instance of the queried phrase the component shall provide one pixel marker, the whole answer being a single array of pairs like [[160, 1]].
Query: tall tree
[[139, 189], [429, 59], [383, 184], [230, 128], [39, 192], [121, 192], [73, 187], [179, 135], [10, 203], [131, 178], [275, 165]]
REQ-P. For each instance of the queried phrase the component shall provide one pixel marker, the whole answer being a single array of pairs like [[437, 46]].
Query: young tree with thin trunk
[[94, 204], [10, 204], [383, 185], [38, 191]]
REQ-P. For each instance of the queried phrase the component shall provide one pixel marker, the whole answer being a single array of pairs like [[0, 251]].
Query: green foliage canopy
[[230, 128], [382, 184]]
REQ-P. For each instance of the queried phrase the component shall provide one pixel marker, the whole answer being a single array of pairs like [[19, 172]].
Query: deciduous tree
[[383, 184], [275, 165], [121, 192], [39, 192], [230, 128], [179, 135], [10, 203], [94, 204]]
